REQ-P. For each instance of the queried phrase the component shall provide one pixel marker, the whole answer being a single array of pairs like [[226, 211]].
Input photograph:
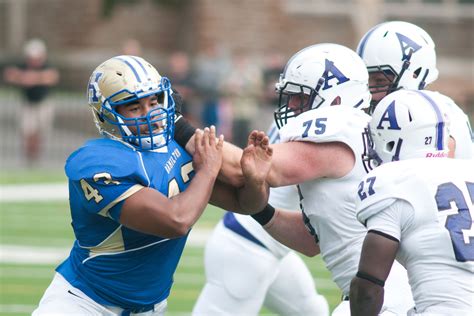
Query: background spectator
[[36, 78]]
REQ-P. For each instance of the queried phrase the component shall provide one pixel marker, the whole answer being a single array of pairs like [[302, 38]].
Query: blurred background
[[224, 56]]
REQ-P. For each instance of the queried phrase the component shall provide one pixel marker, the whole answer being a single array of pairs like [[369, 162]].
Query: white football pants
[[242, 276], [61, 298]]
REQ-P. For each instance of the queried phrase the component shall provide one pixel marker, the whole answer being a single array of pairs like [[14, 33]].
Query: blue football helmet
[[125, 79]]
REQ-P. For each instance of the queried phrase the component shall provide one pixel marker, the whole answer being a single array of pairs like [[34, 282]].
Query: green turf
[[48, 224], [34, 175]]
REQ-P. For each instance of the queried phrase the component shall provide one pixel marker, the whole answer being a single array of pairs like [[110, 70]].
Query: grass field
[[47, 224]]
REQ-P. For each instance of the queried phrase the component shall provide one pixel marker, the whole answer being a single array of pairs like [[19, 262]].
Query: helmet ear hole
[[336, 101], [389, 146], [416, 73]]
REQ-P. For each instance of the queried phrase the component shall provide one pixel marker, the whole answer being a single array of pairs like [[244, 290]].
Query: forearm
[[288, 228], [229, 198], [253, 196], [230, 172], [366, 299], [190, 204]]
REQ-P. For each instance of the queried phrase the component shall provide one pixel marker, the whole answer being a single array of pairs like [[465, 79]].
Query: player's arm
[[253, 195], [151, 212], [230, 170], [296, 162], [288, 228], [378, 253], [184, 135]]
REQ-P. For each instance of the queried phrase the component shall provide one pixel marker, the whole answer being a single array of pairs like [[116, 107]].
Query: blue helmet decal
[[93, 87], [406, 45], [390, 117], [332, 72]]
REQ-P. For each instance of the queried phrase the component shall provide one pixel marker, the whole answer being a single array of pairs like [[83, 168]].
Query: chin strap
[[422, 84]]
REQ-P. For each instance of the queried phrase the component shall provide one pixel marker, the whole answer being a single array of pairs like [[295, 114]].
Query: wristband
[[370, 278], [265, 215], [183, 131]]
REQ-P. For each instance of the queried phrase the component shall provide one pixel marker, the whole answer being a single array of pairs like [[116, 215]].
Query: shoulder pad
[[102, 155], [328, 124]]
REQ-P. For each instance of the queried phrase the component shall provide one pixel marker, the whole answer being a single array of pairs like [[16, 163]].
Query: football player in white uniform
[[401, 55], [418, 210], [323, 141], [247, 268]]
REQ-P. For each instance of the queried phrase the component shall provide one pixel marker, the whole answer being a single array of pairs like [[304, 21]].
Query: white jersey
[[427, 204], [283, 197], [459, 127], [329, 204]]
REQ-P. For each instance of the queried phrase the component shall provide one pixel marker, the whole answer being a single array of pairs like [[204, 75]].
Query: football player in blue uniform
[[134, 196]]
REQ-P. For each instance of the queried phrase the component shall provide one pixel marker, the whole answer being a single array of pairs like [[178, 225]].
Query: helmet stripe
[[363, 42], [127, 62], [141, 65], [440, 124], [297, 55]]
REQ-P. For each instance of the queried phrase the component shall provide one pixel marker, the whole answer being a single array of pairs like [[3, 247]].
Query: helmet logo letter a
[[94, 87], [406, 44], [332, 72], [390, 117]]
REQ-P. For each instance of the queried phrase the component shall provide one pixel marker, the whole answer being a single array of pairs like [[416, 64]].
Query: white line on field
[[54, 255], [34, 192]]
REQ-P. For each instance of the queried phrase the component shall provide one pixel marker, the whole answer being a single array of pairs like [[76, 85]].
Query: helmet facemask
[[288, 105], [150, 132]]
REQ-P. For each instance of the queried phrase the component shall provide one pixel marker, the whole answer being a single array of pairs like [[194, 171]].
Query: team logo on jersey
[[390, 117], [332, 72], [93, 88], [406, 45]]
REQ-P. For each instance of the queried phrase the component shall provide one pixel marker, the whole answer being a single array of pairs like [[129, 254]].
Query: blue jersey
[[112, 264]]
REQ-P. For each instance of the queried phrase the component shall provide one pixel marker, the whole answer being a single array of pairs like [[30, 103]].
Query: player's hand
[[208, 154], [256, 157]]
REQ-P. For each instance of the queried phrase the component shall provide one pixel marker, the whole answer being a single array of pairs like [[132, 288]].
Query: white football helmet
[[402, 50], [409, 124], [321, 75], [125, 79]]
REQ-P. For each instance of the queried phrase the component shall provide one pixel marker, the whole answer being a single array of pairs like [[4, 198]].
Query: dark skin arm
[[151, 212], [378, 254]]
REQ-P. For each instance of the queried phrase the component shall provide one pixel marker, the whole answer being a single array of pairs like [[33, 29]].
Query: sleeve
[[103, 197], [392, 220], [99, 182]]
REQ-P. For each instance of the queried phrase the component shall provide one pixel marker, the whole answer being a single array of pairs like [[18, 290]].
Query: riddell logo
[[437, 155]]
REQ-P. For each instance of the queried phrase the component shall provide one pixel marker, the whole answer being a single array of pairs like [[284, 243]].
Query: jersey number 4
[[458, 223]]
